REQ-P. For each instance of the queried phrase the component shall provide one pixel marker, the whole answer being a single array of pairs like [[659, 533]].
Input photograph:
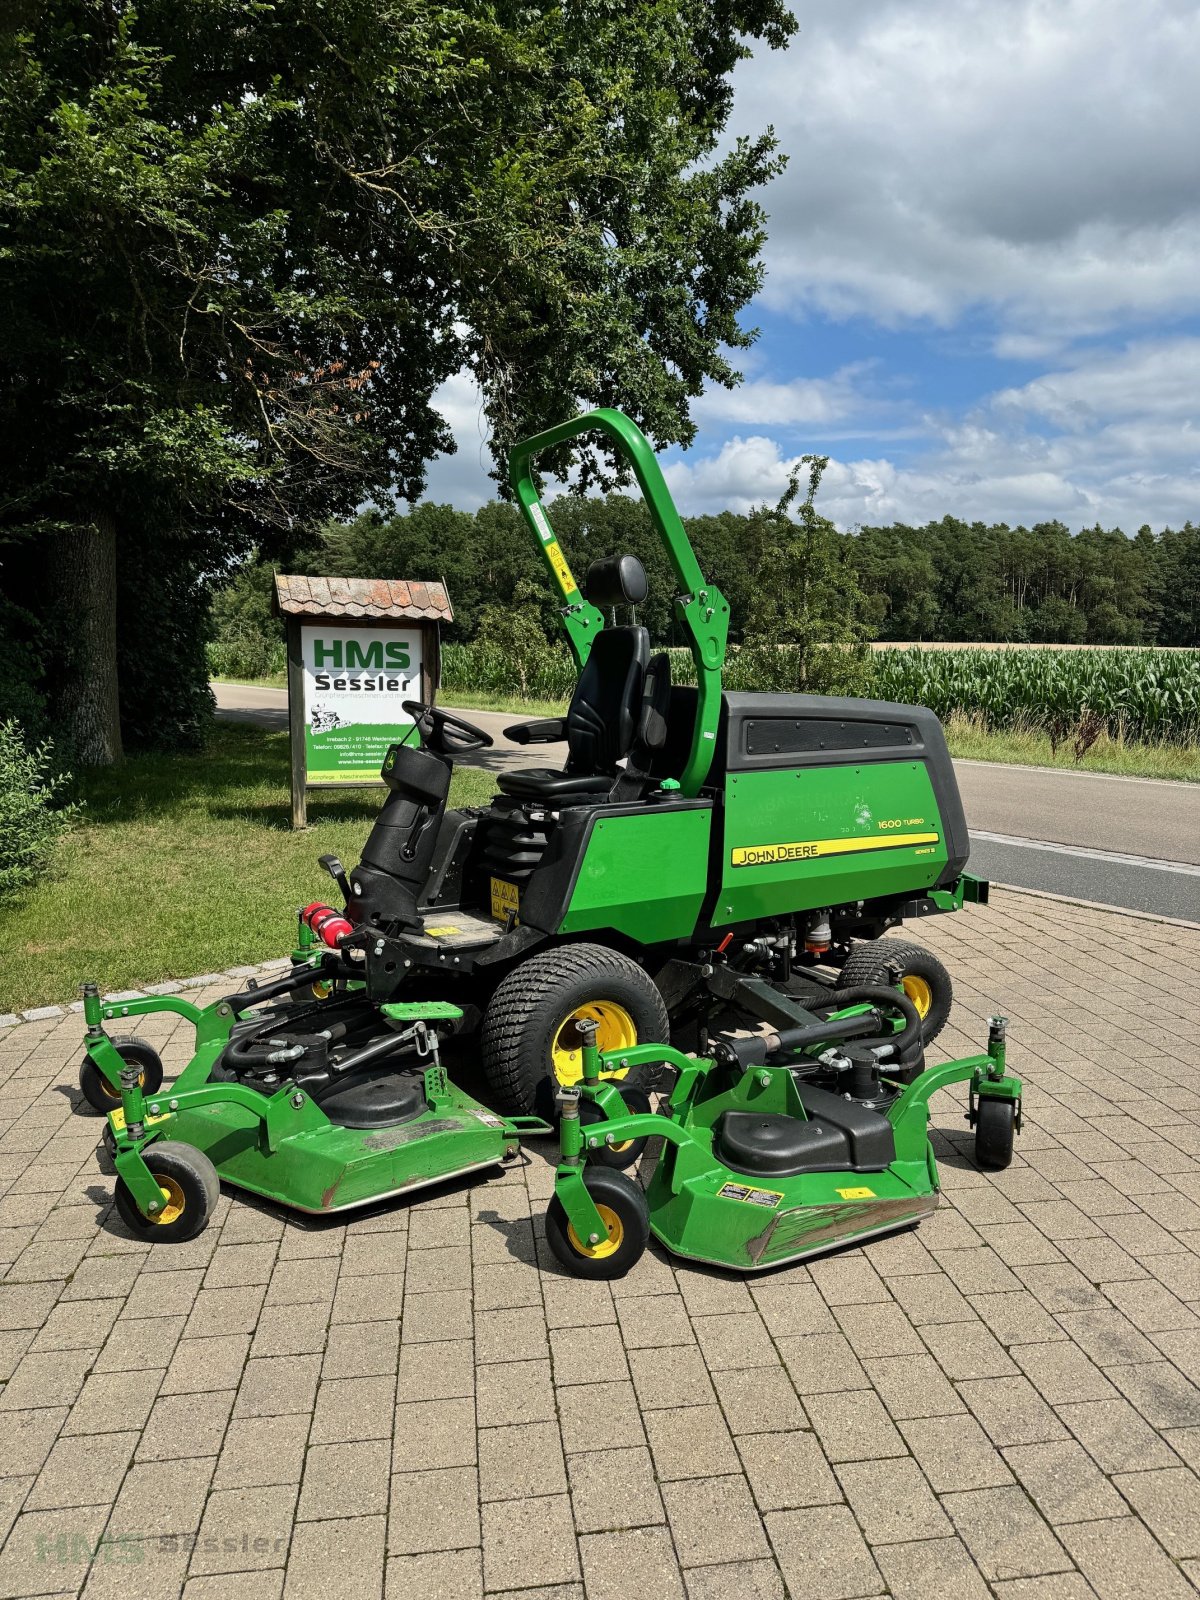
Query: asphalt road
[[1128, 842]]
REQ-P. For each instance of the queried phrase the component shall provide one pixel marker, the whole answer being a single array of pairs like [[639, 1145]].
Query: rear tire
[[922, 977], [190, 1188], [94, 1086], [626, 1215], [524, 1044]]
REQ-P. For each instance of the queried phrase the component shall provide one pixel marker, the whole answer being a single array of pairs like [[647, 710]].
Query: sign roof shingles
[[300, 596]]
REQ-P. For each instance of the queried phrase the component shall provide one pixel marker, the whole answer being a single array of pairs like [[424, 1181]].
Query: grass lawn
[[181, 865]]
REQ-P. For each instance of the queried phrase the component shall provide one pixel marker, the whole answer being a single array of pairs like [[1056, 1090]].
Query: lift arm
[[700, 607]]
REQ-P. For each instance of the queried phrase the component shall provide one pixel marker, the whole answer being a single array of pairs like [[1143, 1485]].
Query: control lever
[[337, 872]]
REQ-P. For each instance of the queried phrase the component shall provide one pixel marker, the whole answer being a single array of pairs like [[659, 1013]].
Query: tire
[[995, 1124], [618, 1156], [922, 977], [527, 1018], [189, 1179], [94, 1085], [624, 1208]]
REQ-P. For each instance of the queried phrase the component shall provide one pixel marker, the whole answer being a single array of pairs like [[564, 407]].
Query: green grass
[[180, 865], [969, 740]]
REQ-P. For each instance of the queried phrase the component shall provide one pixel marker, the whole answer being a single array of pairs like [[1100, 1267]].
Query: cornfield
[[1141, 695]]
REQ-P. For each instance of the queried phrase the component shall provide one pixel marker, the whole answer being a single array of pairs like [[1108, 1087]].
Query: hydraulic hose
[[885, 999]]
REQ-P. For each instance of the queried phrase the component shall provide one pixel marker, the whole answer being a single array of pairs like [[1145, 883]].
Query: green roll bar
[[700, 606]]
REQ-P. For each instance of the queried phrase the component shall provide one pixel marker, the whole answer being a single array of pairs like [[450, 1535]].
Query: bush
[[30, 821]]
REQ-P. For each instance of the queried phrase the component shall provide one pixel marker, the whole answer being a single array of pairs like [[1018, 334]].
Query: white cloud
[[802, 401], [1121, 448], [1034, 157]]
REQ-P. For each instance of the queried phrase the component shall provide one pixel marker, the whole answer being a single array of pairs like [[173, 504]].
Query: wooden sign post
[[357, 648]]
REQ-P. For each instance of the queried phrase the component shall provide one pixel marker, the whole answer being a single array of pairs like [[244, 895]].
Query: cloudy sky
[[983, 272]]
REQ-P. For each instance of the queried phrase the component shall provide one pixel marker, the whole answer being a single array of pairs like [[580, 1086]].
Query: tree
[[808, 596], [242, 245]]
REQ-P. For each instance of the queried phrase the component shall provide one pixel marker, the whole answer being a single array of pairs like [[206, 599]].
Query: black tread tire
[[529, 1005], [995, 1125], [869, 960], [620, 1194], [637, 1102], [196, 1176], [94, 1086]]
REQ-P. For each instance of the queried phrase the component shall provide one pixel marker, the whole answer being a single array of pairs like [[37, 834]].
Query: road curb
[[1096, 905]]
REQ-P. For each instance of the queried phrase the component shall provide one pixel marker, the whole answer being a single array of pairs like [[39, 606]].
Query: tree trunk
[[84, 572]]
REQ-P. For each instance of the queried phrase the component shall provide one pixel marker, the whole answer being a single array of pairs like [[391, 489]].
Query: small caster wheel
[[190, 1189], [109, 1140], [637, 1103], [99, 1094], [623, 1209], [995, 1124]]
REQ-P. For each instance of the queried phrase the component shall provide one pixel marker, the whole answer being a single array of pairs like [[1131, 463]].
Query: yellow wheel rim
[[606, 1247], [322, 990], [919, 991], [115, 1094], [615, 1030], [173, 1200]]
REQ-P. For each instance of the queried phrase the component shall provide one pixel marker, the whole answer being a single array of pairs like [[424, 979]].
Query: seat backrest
[[607, 704]]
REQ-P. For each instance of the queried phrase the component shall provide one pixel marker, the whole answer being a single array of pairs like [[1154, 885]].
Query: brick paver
[[418, 1403]]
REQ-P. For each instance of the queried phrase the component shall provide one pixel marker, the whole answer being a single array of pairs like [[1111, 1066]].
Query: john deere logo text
[[771, 855]]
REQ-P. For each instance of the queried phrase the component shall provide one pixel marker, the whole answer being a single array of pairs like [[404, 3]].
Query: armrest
[[547, 730]]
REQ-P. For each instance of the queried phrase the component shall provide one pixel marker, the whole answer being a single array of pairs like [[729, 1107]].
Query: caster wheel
[[109, 1140], [190, 1189], [99, 1095], [621, 1155], [995, 1124], [623, 1208]]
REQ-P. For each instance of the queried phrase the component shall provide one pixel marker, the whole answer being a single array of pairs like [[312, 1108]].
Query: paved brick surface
[[417, 1404]]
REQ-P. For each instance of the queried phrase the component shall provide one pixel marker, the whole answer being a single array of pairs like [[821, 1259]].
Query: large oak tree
[[241, 245]]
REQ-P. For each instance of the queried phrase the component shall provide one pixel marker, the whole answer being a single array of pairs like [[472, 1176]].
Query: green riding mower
[[700, 859]]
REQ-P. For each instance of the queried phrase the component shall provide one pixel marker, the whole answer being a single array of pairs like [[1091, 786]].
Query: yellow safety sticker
[[559, 562], [441, 933], [767, 1198], [770, 855], [505, 899], [862, 1193], [118, 1118]]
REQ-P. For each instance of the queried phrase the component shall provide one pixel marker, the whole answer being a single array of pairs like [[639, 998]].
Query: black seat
[[605, 713]]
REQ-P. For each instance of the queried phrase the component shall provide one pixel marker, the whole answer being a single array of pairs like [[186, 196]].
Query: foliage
[[241, 246], [31, 817], [512, 631], [247, 639]]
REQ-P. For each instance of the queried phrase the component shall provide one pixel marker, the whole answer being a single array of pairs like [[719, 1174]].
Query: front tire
[[920, 974], [623, 1209], [190, 1187], [618, 1156], [995, 1124], [98, 1093], [529, 1044]]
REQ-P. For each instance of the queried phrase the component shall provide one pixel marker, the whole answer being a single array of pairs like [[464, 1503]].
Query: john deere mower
[[699, 858]]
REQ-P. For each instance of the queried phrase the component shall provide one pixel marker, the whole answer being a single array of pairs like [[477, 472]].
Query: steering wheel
[[444, 733]]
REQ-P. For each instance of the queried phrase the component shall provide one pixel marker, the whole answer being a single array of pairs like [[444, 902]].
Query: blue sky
[[983, 270]]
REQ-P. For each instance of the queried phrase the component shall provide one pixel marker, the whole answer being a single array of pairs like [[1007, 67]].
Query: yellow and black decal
[[767, 1198], [558, 561], [771, 855]]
